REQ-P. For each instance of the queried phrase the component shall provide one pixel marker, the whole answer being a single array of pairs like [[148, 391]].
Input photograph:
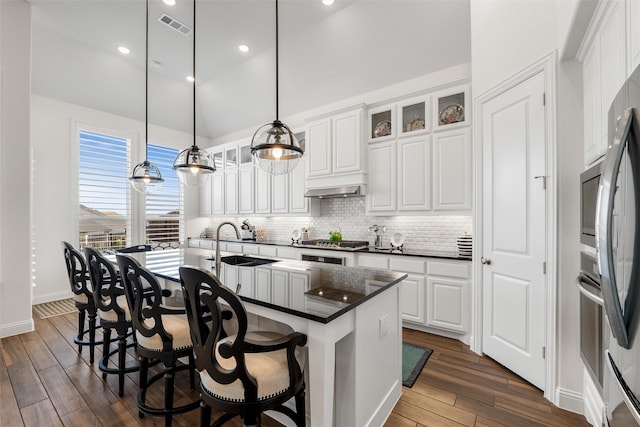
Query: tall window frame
[[133, 211]]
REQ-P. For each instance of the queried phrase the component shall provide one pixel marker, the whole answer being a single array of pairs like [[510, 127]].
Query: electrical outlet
[[382, 329]]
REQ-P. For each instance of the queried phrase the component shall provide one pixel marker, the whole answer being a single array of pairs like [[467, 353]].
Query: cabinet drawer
[[206, 244], [250, 249], [289, 253], [407, 265], [449, 269], [268, 250], [373, 261], [194, 243], [234, 247]]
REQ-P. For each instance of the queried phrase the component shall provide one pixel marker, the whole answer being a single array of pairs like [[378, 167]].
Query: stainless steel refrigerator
[[618, 254]]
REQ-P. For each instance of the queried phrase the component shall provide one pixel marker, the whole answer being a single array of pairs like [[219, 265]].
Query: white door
[[513, 249]]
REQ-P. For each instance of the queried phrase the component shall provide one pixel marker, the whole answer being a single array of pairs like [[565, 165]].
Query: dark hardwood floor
[[44, 381]]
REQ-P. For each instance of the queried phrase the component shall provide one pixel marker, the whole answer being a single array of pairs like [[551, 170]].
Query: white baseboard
[[55, 296], [386, 406], [569, 400], [16, 328], [464, 338]]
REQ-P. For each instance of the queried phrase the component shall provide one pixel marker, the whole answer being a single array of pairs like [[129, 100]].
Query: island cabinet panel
[[246, 279], [280, 288], [299, 284], [263, 284]]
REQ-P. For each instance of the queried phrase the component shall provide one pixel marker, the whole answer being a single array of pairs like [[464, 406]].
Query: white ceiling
[[326, 54]]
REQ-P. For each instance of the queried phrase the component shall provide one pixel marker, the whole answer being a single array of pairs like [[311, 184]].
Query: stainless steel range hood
[[334, 192]]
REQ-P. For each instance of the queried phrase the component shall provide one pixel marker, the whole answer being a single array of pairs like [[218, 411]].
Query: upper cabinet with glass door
[[414, 116], [246, 158], [451, 108], [382, 125]]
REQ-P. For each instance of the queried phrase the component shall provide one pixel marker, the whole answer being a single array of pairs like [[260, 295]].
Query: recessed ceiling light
[[155, 63], [123, 50], [169, 2], [190, 78], [243, 48], [327, 2]]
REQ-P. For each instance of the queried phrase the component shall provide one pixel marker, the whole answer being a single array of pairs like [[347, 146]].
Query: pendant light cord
[[277, 69], [194, 74], [146, 88]]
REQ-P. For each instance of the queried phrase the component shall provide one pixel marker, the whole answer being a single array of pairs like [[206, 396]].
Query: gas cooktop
[[346, 245]]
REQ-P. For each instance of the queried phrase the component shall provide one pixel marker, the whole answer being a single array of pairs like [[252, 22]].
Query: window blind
[[104, 198], [164, 223]]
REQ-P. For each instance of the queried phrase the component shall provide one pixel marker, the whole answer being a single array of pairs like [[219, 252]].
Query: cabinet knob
[[485, 261]]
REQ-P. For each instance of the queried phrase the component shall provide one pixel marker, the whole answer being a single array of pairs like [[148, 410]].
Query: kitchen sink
[[245, 261]]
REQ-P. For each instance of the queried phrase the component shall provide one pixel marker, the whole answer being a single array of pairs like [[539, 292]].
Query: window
[[104, 212], [164, 223], [106, 199]]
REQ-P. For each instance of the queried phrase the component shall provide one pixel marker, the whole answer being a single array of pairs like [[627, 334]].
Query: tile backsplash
[[420, 232]]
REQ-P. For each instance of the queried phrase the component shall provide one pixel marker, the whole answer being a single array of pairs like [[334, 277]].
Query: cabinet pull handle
[[485, 261]]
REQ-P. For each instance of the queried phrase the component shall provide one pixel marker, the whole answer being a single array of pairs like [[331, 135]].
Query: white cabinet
[[280, 287], [414, 176], [280, 194], [231, 191], [205, 198], [297, 202], [263, 191], [448, 296], [382, 177], [347, 142], [298, 285], [336, 149], [412, 298], [318, 147], [452, 170], [604, 58], [633, 17], [594, 144], [246, 278], [217, 193], [262, 288], [245, 187]]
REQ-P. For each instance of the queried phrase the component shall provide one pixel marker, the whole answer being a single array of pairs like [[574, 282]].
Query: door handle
[[485, 261]]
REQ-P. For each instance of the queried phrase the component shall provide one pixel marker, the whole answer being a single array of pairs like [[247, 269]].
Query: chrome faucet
[[218, 244], [378, 229]]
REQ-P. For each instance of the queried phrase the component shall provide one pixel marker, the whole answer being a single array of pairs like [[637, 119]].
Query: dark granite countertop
[[406, 252], [328, 291]]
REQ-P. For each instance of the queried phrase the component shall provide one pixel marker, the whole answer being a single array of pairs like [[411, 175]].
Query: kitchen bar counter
[[352, 319], [429, 253]]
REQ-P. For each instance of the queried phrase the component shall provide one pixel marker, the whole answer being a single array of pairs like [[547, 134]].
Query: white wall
[[55, 182], [15, 57], [507, 36]]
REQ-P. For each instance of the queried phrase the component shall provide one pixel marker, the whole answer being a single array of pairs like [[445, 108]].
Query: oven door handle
[[628, 396], [584, 284]]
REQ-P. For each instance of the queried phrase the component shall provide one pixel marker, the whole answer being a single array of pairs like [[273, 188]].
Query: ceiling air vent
[[175, 24]]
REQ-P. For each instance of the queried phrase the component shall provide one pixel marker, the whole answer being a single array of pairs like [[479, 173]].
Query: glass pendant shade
[[146, 178], [276, 148], [194, 166]]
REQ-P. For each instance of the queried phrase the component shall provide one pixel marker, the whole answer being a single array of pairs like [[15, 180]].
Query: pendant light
[[193, 165], [274, 145], [146, 178]]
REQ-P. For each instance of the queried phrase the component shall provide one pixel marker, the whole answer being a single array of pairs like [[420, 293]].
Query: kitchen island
[[351, 317]]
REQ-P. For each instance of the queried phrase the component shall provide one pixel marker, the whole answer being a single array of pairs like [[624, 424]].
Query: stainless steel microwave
[[589, 183]]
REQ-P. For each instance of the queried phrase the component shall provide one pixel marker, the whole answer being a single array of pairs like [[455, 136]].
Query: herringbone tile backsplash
[[421, 232]]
